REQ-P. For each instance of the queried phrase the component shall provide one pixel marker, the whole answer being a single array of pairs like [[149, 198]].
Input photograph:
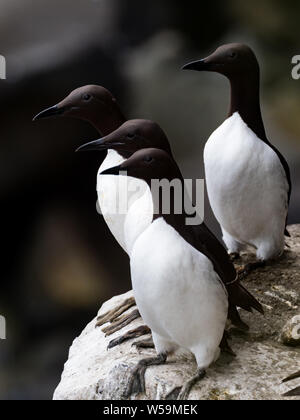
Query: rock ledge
[[94, 373]]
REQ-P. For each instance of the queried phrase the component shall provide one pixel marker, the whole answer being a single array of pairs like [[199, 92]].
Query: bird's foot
[[249, 268], [234, 256], [137, 332], [173, 395], [121, 322], [136, 384], [224, 345], [187, 387], [296, 391], [144, 344], [112, 315]]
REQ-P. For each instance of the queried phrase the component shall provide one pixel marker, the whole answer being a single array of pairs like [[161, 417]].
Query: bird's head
[[147, 164], [231, 60], [132, 136], [91, 103]]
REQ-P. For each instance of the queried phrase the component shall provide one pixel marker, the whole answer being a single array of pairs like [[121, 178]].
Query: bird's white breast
[[177, 291], [246, 183], [115, 196], [139, 218]]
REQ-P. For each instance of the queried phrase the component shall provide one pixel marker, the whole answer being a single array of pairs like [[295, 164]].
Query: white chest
[[246, 182], [139, 217], [176, 288], [116, 194]]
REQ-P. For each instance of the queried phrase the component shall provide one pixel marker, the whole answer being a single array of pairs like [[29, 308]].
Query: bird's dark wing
[[288, 176], [209, 245]]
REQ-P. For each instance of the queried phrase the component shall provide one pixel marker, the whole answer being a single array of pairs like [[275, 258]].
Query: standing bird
[[133, 136], [248, 179], [183, 280], [96, 105]]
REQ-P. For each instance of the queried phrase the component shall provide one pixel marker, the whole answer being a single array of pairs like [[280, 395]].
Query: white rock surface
[[94, 373]]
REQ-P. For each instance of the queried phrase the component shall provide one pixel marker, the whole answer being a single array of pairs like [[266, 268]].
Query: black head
[[231, 60], [91, 103], [132, 136], [148, 164]]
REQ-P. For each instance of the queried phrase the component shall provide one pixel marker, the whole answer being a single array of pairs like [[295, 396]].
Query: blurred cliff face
[[59, 261]]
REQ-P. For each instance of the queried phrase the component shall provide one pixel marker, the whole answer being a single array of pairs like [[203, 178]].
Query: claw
[[144, 344], [293, 393], [121, 322], [249, 268], [112, 315], [136, 384], [137, 332], [186, 389]]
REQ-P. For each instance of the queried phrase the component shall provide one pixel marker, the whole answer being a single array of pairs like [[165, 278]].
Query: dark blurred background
[[59, 262]]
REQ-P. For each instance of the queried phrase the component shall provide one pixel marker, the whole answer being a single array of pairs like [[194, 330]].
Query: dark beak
[[50, 112], [112, 171], [199, 65], [98, 145]]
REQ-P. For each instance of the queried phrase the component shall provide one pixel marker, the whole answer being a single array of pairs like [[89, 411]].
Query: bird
[[98, 106], [183, 280], [131, 136], [248, 179], [135, 135]]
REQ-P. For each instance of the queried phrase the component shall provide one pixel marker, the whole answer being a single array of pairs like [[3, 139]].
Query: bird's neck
[[110, 123], [170, 204], [245, 99]]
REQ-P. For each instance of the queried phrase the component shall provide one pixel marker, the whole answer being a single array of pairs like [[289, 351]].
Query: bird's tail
[[240, 297]]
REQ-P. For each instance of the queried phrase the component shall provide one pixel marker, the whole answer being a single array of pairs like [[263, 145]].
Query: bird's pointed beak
[[98, 145], [50, 112], [199, 65], [112, 171]]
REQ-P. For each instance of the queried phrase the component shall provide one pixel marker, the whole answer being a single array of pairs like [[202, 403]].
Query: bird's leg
[[110, 316], [136, 382], [296, 391], [186, 389], [144, 344], [137, 332], [121, 322], [224, 345], [249, 268]]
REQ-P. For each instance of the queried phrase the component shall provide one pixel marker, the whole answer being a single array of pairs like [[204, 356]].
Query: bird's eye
[[233, 54], [86, 97], [148, 159], [130, 135]]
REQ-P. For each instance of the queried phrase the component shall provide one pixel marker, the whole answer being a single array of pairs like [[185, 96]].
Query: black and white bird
[[248, 179], [96, 105], [131, 136], [183, 280]]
